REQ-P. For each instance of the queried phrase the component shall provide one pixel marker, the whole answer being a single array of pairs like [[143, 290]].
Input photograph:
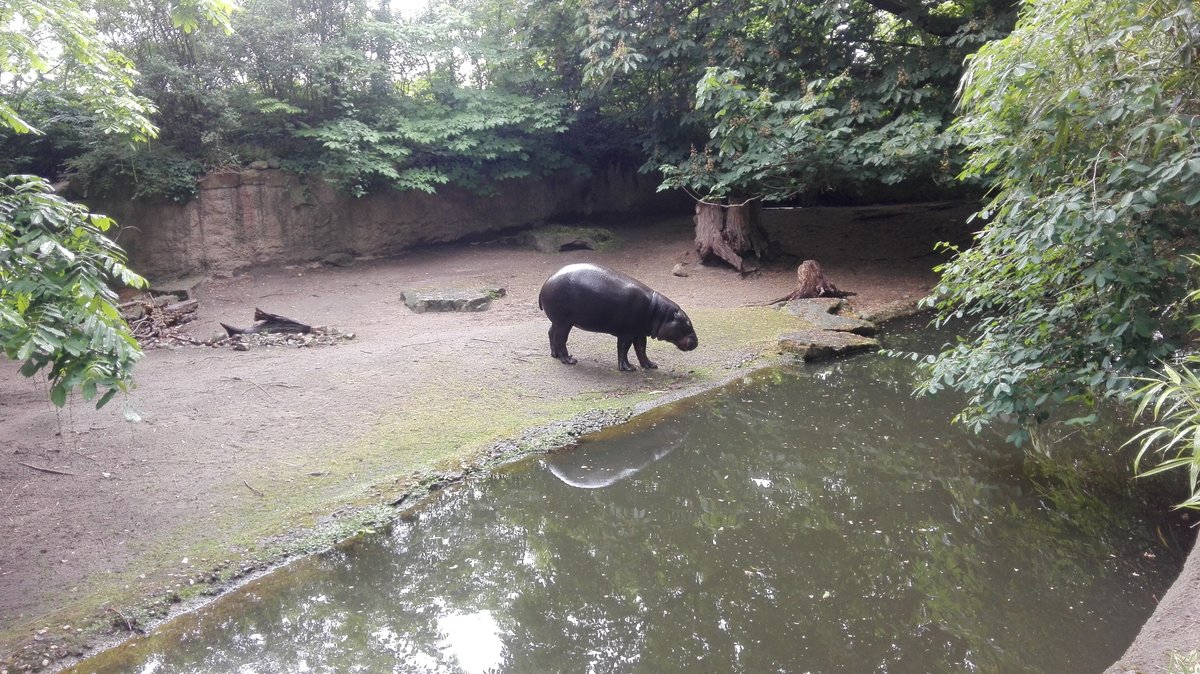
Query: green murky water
[[817, 521]]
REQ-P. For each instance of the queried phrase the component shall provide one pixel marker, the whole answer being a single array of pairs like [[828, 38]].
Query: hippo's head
[[675, 327]]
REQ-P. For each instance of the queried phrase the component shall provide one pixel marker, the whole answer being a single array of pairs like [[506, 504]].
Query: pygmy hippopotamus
[[598, 299]]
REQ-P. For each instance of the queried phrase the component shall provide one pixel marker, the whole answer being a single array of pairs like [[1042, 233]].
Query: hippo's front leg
[[639, 347], [623, 364]]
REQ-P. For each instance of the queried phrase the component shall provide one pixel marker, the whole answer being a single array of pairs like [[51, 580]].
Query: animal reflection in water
[[598, 464]]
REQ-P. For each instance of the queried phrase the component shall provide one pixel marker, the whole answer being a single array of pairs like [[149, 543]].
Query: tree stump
[[730, 233], [811, 282]]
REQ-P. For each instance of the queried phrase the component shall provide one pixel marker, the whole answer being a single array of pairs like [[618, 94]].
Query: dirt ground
[[221, 461]]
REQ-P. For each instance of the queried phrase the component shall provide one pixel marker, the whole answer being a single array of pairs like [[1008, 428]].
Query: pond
[[816, 520]]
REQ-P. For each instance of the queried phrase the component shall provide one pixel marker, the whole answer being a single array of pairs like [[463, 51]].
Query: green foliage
[[187, 74], [150, 173], [57, 314], [778, 149], [66, 128], [188, 15], [790, 98], [754, 97], [1083, 121], [466, 119], [468, 137], [1173, 397], [52, 45], [347, 90]]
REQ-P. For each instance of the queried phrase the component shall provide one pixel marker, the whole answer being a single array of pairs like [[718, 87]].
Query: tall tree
[[1084, 120], [347, 89], [781, 100], [57, 311]]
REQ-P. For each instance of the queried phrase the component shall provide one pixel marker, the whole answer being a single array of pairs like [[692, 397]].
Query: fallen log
[[268, 322], [184, 307]]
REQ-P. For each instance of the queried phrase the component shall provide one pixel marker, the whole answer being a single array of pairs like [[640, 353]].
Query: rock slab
[[826, 334], [558, 238], [813, 345], [421, 300], [822, 313]]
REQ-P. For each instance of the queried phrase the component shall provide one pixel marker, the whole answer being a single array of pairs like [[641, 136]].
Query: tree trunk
[[730, 233]]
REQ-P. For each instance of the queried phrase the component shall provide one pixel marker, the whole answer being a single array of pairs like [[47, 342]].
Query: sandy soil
[[222, 461]]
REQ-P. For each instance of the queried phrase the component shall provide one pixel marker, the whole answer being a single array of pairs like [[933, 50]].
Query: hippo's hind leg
[[558, 342], [639, 347], [623, 364]]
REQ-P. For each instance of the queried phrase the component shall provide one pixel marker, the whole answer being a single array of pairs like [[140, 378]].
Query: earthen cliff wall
[[272, 217]]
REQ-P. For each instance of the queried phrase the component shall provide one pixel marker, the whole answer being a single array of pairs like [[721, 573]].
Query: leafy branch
[[57, 313]]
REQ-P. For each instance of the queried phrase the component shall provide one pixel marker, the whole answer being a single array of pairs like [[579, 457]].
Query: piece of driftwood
[[267, 322], [53, 471], [184, 307], [811, 282]]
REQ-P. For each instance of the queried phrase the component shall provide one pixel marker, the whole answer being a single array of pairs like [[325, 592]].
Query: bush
[[57, 313], [152, 174], [1083, 119]]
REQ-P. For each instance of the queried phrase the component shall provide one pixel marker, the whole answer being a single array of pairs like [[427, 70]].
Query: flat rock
[[341, 259], [421, 300], [557, 238], [181, 288], [821, 313], [813, 345]]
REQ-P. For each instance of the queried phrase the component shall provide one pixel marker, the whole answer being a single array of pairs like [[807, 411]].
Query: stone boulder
[[826, 334], [822, 313], [813, 345], [421, 300], [558, 238]]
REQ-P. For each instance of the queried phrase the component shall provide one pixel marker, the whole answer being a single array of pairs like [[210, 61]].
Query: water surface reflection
[[819, 521]]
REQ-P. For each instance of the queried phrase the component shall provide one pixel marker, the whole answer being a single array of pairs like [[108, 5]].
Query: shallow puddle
[[815, 521]]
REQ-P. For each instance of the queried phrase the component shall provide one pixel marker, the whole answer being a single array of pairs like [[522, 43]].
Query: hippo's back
[[595, 298]]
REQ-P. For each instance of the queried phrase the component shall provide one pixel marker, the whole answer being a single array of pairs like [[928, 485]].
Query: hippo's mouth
[[687, 343]]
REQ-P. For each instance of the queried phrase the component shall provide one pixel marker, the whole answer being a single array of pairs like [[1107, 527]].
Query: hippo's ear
[[682, 319]]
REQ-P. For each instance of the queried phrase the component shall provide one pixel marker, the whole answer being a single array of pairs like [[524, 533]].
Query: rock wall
[[270, 217]]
